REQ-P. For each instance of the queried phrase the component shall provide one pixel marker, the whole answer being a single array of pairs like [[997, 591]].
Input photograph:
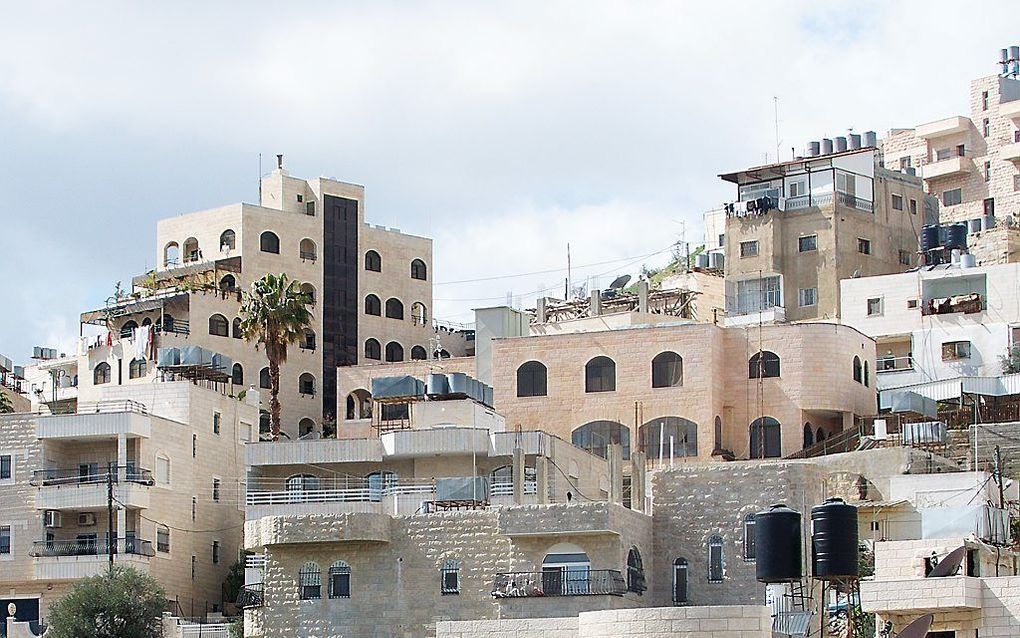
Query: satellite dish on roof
[[949, 565], [917, 629], [619, 282]]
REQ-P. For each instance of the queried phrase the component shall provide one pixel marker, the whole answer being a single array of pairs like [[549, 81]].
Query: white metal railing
[[342, 495], [894, 364], [255, 561], [751, 302], [507, 489]]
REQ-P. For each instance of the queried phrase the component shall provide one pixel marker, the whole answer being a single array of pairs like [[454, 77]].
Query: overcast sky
[[502, 130]]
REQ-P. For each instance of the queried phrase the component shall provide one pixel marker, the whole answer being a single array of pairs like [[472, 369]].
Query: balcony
[[894, 364], [852, 201], [1010, 110], [569, 519], [949, 167], [70, 490], [360, 527], [942, 128], [104, 420], [597, 582], [1010, 152], [251, 596], [922, 595], [74, 559]]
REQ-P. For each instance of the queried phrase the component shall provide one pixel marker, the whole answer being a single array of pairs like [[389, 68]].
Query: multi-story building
[[170, 454], [938, 327], [799, 227], [51, 382], [970, 163], [371, 287], [12, 384]]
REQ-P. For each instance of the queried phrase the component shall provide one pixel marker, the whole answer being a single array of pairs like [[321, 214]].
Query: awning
[[130, 306]]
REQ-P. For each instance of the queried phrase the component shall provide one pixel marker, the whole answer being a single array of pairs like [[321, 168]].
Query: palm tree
[[275, 314]]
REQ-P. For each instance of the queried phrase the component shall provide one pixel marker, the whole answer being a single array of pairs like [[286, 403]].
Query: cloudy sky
[[503, 130]]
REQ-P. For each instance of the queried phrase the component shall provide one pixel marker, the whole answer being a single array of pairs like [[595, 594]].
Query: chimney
[[642, 295], [596, 303]]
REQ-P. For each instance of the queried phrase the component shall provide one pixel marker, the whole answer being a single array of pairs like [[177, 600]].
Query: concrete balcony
[[921, 595], [1010, 152], [90, 496], [129, 422], [313, 451], [949, 167], [563, 519], [942, 128], [1010, 110], [71, 560], [440, 441], [316, 528]]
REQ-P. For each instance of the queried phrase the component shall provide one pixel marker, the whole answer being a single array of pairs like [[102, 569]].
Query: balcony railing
[[307, 255], [851, 201], [112, 405], [251, 596], [356, 492], [92, 547], [507, 489], [599, 582], [75, 476], [894, 364]]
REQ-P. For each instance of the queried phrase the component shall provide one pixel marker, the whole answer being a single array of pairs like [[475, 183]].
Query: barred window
[[310, 582], [680, 581], [715, 559], [750, 549], [339, 580], [450, 577]]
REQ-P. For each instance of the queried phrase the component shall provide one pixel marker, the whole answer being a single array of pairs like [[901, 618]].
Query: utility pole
[[110, 538]]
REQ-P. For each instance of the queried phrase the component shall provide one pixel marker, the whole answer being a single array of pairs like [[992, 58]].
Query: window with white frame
[[952, 197], [163, 539], [163, 470], [5, 540], [874, 306], [986, 127], [6, 468], [955, 350], [798, 188], [715, 559], [897, 202], [807, 297], [749, 248], [217, 422]]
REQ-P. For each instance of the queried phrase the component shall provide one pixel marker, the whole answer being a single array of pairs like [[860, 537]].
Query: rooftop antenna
[[570, 281], [775, 103], [260, 179]]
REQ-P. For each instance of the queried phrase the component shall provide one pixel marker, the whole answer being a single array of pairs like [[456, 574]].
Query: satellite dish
[[917, 629], [949, 565], [619, 282]]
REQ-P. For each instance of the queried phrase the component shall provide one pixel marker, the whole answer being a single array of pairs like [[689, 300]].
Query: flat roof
[[781, 169]]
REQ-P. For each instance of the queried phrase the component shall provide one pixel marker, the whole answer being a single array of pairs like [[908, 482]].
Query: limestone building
[[970, 163], [173, 452], [798, 227], [371, 287]]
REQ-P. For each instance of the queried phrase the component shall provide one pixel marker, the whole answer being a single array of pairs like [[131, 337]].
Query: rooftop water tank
[[702, 260], [826, 146], [716, 261], [929, 237], [840, 144], [458, 383], [834, 540], [855, 141], [436, 385], [777, 540], [870, 138], [956, 236], [813, 149]]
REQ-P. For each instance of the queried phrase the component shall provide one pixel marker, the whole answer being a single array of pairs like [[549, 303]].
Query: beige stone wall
[[812, 387]]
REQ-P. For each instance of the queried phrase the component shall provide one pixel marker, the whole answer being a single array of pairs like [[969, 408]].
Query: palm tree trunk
[[274, 400]]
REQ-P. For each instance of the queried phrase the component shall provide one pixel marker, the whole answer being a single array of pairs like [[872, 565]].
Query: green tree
[[234, 581], [275, 314], [6, 407], [1011, 360], [122, 603]]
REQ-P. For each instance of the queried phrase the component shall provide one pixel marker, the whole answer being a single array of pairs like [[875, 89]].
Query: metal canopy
[[129, 306]]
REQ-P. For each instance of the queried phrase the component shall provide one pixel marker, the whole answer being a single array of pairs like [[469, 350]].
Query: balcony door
[[566, 571]]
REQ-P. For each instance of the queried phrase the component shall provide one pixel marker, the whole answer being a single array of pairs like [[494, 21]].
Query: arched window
[[264, 382], [228, 240], [235, 328], [532, 379], [265, 424], [269, 242], [660, 436], [373, 261], [566, 571], [418, 270], [819, 435], [308, 339], [359, 405], [750, 550], [373, 350], [101, 373], [600, 375], [763, 365], [867, 375], [449, 577], [715, 559], [309, 582], [394, 308], [228, 284], [858, 375], [127, 331], [596, 437], [308, 290], [680, 581], [147, 321], [339, 580], [419, 353], [306, 250], [171, 254], [237, 374], [136, 369], [218, 326], [394, 352], [191, 251], [302, 483], [766, 438], [379, 483], [667, 370], [809, 435], [306, 384], [718, 434], [635, 572], [419, 314], [306, 427], [373, 306]]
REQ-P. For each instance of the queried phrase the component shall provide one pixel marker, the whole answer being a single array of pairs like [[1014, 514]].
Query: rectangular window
[[715, 561], [954, 350], [340, 581], [216, 422], [194, 508], [798, 189], [984, 100], [912, 303], [722, 240], [807, 243], [750, 549], [749, 248], [216, 552], [952, 197], [163, 539], [246, 432], [874, 306], [905, 163], [864, 246], [807, 297], [300, 198], [986, 128], [897, 202], [194, 446], [162, 470], [6, 467], [913, 207], [1016, 182], [989, 206], [1014, 335], [216, 490], [5, 540], [450, 578], [943, 154], [310, 209], [904, 258], [988, 171], [194, 562]]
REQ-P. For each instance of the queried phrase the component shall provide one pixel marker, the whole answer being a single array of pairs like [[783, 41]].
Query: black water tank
[[956, 236], [834, 552], [777, 539], [929, 237]]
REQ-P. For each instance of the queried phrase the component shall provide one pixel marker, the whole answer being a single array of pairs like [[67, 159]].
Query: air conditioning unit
[[86, 519], [51, 518]]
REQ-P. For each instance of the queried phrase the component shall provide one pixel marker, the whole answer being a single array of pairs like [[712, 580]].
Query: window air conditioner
[[51, 518], [86, 519]]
